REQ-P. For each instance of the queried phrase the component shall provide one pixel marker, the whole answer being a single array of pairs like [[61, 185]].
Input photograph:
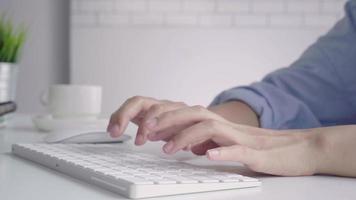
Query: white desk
[[24, 180]]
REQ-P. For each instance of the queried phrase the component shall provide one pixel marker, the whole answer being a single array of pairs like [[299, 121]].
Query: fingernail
[[139, 139], [114, 130], [168, 147], [151, 123], [213, 154]]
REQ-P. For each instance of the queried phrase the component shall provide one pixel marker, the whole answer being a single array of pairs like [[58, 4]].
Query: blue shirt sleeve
[[319, 89]]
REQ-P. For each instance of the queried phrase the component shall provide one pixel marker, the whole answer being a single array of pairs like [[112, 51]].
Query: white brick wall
[[330, 6], [147, 19], [198, 5], [234, 6], [129, 5], [113, 19], [269, 6], [250, 21], [96, 5], [207, 13], [286, 20], [160, 48], [304, 6], [216, 20], [313, 20], [164, 6], [182, 19]]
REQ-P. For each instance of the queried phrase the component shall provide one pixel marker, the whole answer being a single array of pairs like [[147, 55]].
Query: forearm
[[237, 112], [337, 147]]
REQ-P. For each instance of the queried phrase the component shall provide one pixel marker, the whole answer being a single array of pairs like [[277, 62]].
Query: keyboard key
[[204, 179], [230, 180], [184, 180], [248, 179]]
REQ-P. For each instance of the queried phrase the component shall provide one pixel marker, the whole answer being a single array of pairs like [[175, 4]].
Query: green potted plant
[[11, 41]]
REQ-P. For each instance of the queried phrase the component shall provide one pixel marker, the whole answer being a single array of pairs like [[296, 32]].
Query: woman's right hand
[[143, 111]]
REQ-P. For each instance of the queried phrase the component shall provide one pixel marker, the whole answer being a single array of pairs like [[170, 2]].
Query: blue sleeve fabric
[[319, 89]]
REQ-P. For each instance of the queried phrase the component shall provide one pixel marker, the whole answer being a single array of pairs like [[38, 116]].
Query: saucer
[[47, 123]]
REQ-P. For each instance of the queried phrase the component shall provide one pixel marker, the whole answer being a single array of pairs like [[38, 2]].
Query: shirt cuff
[[252, 98]]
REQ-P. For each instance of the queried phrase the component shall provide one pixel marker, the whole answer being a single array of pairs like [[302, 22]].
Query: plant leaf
[[11, 40]]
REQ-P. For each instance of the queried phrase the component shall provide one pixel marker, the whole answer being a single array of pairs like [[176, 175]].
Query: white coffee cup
[[73, 101]]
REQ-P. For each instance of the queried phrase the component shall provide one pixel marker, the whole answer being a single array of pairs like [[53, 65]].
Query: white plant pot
[[8, 80]]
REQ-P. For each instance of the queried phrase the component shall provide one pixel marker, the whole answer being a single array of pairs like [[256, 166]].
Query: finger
[[186, 116], [202, 148], [139, 117], [199, 133], [127, 112], [162, 135], [166, 134], [239, 153], [222, 133], [152, 113]]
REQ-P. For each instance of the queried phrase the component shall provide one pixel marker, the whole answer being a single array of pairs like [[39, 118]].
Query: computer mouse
[[83, 137]]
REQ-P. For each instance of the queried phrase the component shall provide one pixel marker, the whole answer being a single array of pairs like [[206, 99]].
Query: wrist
[[336, 150], [316, 144], [323, 146], [237, 112]]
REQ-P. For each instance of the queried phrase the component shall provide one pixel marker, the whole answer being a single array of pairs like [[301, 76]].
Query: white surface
[[20, 179]]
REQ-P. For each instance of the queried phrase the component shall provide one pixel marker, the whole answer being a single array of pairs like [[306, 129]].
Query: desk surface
[[21, 179]]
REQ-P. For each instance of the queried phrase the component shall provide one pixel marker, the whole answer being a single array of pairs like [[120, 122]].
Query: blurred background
[[185, 50]]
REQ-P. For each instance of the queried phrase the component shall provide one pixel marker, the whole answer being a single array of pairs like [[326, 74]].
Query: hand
[[284, 153], [146, 112], [288, 153], [327, 150], [200, 130]]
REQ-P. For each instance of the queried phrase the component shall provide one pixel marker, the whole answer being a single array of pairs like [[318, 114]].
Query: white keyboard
[[130, 173]]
